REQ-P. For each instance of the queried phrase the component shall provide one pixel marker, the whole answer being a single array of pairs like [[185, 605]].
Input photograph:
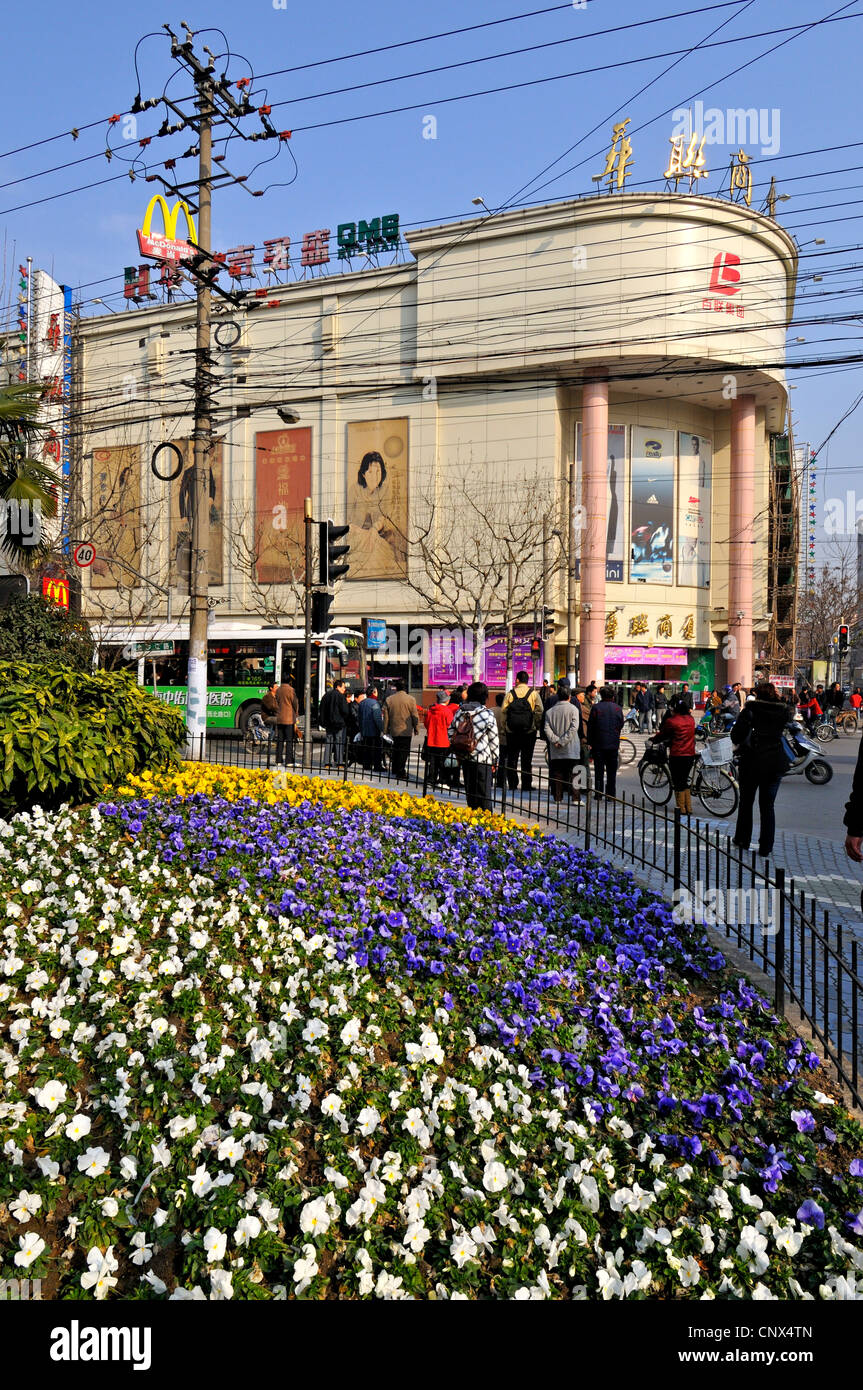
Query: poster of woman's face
[[377, 468]]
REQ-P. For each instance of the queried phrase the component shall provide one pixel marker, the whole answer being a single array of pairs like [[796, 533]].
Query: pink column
[[594, 468], [741, 540]]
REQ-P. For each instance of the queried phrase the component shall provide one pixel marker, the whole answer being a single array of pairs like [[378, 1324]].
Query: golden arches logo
[[165, 245], [56, 591]]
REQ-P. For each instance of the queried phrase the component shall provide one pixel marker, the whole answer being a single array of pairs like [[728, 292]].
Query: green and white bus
[[243, 660]]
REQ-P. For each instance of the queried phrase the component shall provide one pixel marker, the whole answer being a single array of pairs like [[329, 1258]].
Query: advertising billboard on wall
[[181, 515], [694, 493], [283, 479], [377, 486], [615, 499], [651, 519], [116, 525], [451, 656]]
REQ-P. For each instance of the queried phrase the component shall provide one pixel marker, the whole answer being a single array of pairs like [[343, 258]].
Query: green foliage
[[65, 735], [34, 631], [23, 476]]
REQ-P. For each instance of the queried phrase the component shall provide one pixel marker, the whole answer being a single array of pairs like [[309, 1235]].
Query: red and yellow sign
[[164, 246], [56, 591], [283, 478]]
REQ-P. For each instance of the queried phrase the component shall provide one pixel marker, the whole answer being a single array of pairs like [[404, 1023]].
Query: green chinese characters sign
[[222, 704]]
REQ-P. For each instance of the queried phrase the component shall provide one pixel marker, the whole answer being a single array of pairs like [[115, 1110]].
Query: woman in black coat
[[763, 762]]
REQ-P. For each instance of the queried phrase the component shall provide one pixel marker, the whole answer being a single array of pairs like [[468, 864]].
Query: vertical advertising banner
[[283, 479], [377, 469], [651, 518], [116, 525], [181, 515], [694, 490], [615, 500]]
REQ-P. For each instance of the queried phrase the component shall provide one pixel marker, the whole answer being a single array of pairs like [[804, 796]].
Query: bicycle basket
[[717, 752], [655, 753]]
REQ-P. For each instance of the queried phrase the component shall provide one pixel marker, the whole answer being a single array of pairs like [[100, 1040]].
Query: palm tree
[[24, 479]]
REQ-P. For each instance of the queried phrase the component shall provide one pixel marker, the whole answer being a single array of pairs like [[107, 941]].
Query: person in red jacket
[[678, 731], [438, 719]]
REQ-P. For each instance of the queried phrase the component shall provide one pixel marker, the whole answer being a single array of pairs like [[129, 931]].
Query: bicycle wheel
[[825, 732], [627, 752], [716, 790], [655, 783]]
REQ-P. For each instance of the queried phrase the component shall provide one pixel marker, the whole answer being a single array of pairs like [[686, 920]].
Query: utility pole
[[571, 669], [547, 643], [213, 104], [307, 675], [202, 437], [510, 672]]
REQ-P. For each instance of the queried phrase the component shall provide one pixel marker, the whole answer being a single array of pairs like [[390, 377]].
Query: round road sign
[[84, 555]]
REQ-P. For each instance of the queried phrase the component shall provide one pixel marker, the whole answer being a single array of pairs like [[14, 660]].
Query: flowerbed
[[276, 786], [293, 1049]]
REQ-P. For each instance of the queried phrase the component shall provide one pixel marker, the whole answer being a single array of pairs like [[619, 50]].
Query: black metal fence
[[812, 959]]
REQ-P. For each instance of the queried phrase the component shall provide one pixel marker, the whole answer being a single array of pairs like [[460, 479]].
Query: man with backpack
[[522, 714], [474, 741]]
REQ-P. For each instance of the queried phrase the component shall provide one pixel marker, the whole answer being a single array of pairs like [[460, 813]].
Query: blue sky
[[67, 66]]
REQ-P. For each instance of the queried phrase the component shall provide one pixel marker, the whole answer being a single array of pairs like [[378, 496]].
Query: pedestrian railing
[[812, 959]]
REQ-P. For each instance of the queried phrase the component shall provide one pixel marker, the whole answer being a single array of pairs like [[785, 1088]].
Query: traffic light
[[330, 554], [548, 623], [321, 605], [536, 648], [843, 638]]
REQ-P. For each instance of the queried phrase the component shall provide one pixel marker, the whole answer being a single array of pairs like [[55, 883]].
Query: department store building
[[614, 361]]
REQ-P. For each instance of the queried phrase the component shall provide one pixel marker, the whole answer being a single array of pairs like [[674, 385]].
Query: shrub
[[66, 734], [36, 631]]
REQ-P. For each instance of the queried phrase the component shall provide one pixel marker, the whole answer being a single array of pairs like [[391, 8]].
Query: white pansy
[[25, 1205], [52, 1094], [495, 1177], [368, 1120], [315, 1217], [351, 1031], [215, 1245], [94, 1162]]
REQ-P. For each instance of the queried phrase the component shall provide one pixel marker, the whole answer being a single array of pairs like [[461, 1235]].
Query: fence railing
[[812, 959]]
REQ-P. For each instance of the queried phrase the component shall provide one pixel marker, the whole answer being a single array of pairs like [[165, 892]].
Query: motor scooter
[[809, 759]]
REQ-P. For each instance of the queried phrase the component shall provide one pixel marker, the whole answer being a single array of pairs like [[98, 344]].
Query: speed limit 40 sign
[[84, 555]]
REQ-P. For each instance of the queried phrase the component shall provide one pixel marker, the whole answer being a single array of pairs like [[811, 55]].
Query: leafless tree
[[475, 555], [258, 549], [833, 600]]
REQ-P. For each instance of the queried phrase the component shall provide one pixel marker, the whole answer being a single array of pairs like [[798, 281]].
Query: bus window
[[170, 670]]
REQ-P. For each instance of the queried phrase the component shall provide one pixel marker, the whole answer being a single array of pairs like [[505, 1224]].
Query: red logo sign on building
[[56, 591], [724, 277]]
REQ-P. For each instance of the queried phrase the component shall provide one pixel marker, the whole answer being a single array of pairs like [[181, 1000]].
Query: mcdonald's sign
[[165, 246], [56, 591]]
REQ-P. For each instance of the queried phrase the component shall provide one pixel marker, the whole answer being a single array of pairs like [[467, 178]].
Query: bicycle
[[826, 730], [627, 752], [715, 788], [847, 721]]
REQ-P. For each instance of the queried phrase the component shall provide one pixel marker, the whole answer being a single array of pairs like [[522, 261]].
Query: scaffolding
[[783, 552]]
